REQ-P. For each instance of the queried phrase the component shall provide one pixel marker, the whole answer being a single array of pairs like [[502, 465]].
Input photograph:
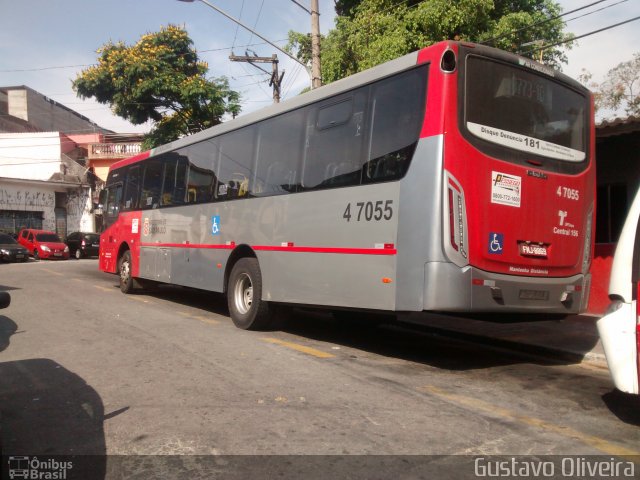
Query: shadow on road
[[443, 341], [414, 343], [7, 328], [624, 406], [46, 411], [209, 301]]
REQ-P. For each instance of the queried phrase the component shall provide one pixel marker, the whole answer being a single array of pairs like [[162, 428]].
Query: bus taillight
[[586, 249], [455, 222], [452, 222]]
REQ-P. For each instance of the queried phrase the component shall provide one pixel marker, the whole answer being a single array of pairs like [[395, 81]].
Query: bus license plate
[[534, 294], [529, 250]]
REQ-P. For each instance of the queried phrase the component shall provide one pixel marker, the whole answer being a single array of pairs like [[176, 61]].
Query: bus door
[[109, 238]]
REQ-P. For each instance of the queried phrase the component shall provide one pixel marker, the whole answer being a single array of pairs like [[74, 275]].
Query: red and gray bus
[[458, 178]]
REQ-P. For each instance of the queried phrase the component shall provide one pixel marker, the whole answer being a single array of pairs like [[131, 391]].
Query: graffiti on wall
[[78, 210], [78, 206], [26, 200]]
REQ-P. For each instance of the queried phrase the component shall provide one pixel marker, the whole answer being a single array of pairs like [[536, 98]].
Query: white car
[[619, 328]]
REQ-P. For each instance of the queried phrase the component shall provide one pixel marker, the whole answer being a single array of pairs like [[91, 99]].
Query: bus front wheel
[[244, 296], [124, 272]]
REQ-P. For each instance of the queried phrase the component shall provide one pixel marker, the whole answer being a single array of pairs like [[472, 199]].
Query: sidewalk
[[574, 338]]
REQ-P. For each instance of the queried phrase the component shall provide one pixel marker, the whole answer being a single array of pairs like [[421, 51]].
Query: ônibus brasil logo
[[37, 469]]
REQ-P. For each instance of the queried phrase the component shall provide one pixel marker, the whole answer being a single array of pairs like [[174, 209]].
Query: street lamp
[[315, 77]]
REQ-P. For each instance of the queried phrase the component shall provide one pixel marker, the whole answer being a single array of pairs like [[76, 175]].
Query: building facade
[[41, 186], [53, 163]]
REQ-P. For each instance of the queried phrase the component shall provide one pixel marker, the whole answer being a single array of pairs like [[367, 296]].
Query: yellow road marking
[[138, 299], [53, 272], [200, 318], [593, 441], [300, 348], [104, 289]]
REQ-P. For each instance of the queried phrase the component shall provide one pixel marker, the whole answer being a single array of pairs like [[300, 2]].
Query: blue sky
[[38, 34]]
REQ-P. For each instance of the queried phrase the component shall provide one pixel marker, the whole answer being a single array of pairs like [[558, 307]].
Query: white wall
[[78, 207], [34, 156]]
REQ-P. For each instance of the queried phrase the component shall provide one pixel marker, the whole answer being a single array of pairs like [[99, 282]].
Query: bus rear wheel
[[244, 296]]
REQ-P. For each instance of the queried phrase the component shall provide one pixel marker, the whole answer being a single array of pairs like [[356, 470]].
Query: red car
[[43, 244]]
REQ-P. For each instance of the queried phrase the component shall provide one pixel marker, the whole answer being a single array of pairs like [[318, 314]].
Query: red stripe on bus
[[188, 245], [344, 251], [269, 248]]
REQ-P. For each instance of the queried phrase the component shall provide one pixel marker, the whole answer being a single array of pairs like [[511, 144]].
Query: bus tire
[[244, 296], [124, 273]]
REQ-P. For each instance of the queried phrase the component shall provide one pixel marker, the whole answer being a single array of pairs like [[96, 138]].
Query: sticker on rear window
[[506, 189]]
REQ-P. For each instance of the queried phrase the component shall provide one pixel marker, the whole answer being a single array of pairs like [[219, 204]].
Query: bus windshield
[[524, 110]]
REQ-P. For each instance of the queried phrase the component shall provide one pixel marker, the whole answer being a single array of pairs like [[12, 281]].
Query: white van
[[619, 329]]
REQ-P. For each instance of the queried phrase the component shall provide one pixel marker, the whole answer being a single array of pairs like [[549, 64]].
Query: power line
[[542, 22], [257, 19], [38, 162], [582, 36], [576, 18], [235, 36], [38, 69]]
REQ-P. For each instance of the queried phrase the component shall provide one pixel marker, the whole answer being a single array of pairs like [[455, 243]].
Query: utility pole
[[276, 79], [316, 75]]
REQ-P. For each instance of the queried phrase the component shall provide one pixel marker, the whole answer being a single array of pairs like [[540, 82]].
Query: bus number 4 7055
[[368, 211]]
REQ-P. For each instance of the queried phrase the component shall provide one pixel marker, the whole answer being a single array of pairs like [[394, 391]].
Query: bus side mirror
[[102, 200]]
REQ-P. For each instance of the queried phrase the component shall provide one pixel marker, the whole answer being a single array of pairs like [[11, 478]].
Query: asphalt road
[[85, 369]]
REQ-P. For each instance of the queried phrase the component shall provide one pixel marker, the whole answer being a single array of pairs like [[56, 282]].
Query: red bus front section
[[125, 233], [123, 228]]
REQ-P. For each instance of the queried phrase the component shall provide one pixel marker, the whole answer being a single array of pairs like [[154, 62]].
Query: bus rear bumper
[[451, 288]]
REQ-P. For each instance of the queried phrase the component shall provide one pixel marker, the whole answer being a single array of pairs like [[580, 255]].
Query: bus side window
[[279, 152], [396, 119], [132, 189], [114, 198], [236, 169], [334, 143], [195, 178], [152, 183], [173, 184]]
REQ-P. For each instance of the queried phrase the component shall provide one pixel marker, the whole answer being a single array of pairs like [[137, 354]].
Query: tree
[[370, 32], [160, 78], [620, 89]]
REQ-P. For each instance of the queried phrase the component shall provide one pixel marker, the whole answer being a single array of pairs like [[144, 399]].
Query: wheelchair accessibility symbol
[[215, 225], [496, 240]]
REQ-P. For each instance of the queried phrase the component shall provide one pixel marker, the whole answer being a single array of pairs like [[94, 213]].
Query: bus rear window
[[523, 110]]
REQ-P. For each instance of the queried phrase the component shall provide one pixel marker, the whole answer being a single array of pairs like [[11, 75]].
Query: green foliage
[[160, 78], [621, 88], [370, 32]]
